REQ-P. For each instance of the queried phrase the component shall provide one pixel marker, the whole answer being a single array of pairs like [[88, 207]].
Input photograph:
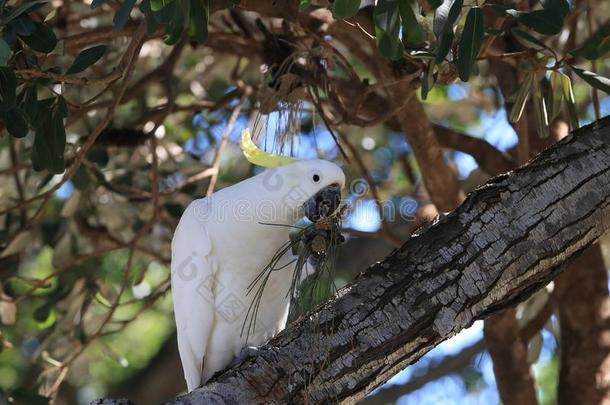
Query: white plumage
[[220, 245]]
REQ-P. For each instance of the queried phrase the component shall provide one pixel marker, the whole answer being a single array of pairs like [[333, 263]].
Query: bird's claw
[[244, 353]]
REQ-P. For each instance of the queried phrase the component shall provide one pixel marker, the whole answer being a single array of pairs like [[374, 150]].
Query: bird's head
[[311, 187]]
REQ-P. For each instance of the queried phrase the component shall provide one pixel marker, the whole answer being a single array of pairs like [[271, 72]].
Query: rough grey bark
[[508, 239]]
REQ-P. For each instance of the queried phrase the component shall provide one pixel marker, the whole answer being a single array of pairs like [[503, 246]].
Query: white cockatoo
[[222, 243]]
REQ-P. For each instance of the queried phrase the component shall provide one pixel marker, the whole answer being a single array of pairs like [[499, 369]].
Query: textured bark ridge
[[508, 239]]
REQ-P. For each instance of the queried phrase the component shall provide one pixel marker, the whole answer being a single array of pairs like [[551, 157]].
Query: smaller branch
[[385, 227], [448, 365], [126, 65], [69, 79], [490, 159], [221, 147]]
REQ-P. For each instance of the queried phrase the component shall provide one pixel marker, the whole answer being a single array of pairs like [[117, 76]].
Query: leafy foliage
[[91, 191]]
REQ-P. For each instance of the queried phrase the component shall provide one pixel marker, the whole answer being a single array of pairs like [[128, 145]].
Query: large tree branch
[[507, 240]]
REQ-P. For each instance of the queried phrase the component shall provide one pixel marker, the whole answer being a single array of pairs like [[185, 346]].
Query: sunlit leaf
[[540, 112], [304, 5], [599, 82], [157, 5], [555, 95], [568, 96], [521, 98]]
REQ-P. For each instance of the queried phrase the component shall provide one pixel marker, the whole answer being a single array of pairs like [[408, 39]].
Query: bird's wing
[[192, 290]]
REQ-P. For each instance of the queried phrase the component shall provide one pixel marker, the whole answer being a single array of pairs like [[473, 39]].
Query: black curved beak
[[324, 203]]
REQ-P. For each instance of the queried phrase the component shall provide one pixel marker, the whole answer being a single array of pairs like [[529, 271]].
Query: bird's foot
[[245, 352]]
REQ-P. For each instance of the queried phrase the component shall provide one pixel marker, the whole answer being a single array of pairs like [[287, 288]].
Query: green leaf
[[8, 88], [156, 5], [166, 13], [23, 396], [5, 52], [523, 95], [595, 46], [98, 156], [540, 113], [174, 209], [17, 124], [62, 107], [528, 39], [177, 24], [49, 143], [387, 28], [304, 5], [555, 95], [440, 18], [122, 15], [561, 7], [568, 96], [200, 15], [345, 8], [86, 58], [149, 16], [30, 104], [599, 82], [81, 178], [444, 18], [42, 313], [96, 3], [22, 9], [470, 43], [23, 26], [546, 22], [412, 32], [43, 39], [427, 80]]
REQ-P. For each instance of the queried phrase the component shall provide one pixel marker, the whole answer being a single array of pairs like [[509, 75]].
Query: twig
[[221, 147]]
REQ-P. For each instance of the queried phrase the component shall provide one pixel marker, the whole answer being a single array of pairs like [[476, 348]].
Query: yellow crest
[[259, 157]]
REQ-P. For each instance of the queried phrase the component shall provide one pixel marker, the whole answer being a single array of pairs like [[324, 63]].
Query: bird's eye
[[315, 178]]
